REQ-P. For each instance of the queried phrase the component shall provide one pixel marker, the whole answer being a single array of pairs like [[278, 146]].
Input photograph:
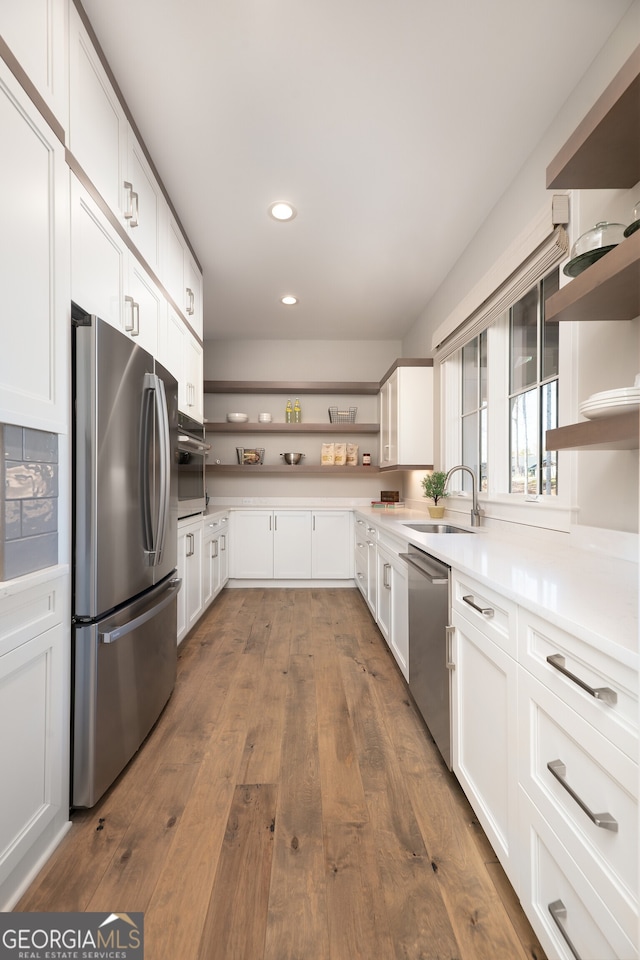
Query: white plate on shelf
[[609, 408], [237, 417], [622, 393]]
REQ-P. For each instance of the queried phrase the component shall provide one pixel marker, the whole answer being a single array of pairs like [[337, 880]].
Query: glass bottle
[[288, 412], [297, 412]]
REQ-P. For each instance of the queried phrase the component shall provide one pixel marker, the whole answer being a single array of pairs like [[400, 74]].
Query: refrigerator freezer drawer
[[125, 669]]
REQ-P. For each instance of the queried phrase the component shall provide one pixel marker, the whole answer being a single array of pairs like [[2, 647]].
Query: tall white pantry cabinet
[[94, 226]]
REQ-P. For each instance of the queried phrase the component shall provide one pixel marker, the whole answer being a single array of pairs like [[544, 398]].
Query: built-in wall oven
[[192, 460]]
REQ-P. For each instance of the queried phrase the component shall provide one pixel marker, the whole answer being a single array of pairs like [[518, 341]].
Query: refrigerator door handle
[[162, 419], [110, 636], [154, 544]]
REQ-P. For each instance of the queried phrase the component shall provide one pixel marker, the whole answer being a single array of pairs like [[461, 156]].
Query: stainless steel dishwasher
[[429, 655]]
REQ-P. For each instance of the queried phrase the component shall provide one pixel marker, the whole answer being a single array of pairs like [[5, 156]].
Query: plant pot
[[436, 512]]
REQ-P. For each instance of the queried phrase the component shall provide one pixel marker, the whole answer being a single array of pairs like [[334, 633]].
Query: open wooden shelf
[[607, 290], [621, 432], [294, 428], [604, 150], [260, 470], [295, 387]]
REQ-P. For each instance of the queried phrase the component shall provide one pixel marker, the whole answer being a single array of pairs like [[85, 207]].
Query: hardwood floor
[[290, 805]]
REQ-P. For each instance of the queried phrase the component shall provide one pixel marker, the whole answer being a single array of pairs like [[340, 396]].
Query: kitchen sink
[[436, 528]]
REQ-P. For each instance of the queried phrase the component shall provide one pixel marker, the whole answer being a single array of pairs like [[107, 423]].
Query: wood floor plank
[[358, 922], [129, 881], [241, 886], [178, 907], [297, 926]]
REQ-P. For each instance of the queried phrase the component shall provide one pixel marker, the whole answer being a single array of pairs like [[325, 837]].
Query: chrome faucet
[[475, 509]]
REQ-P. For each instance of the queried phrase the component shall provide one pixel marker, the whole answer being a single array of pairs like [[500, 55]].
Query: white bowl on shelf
[[237, 417]]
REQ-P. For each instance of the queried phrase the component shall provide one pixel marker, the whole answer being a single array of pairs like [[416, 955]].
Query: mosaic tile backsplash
[[29, 508]]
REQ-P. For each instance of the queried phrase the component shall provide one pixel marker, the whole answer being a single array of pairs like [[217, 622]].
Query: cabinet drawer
[[589, 779], [495, 616], [601, 689], [29, 611], [554, 882]]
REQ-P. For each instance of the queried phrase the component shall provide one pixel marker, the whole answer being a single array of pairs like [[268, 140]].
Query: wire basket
[[248, 456], [342, 416]]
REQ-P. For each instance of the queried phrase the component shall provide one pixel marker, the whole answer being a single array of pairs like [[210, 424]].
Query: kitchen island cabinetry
[[484, 714], [190, 597], [34, 707], [35, 266]]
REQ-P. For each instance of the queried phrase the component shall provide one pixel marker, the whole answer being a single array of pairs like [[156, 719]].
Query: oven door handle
[[433, 574], [189, 444]]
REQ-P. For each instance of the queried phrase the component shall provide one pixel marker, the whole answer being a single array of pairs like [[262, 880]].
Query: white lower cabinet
[[331, 555], [215, 565], [485, 745], [34, 759], [578, 795], [392, 601], [291, 545], [190, 601], [545, 746], [365, 562]]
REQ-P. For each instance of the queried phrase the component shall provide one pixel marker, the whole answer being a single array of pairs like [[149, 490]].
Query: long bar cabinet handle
[[485, 611], [600, 693], [128, 213], [385, 576], [558, 911], [604, 820]]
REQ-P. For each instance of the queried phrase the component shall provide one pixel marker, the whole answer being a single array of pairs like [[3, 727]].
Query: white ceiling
[[392, 125]]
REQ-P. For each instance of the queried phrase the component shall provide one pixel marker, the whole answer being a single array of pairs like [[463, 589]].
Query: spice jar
[[366, 459]]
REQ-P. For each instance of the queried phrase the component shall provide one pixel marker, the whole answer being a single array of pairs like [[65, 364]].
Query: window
[[533, 391], [474, 410]]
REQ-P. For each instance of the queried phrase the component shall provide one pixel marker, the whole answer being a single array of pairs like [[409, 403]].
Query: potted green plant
[[433, 485]]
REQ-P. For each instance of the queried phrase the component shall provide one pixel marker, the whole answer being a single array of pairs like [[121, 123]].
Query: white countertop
[[583, 591], [590, 595]]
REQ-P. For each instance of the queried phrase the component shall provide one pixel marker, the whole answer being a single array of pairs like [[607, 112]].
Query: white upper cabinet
[[104, 144], [34, 252], [36, 33], [98, 260], [406, 417], [145, 209], [98, 128], [183, 278]]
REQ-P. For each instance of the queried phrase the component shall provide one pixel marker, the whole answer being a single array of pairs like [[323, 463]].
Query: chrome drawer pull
[[600, 693], [558, 911], [604, 820], [485, 611]]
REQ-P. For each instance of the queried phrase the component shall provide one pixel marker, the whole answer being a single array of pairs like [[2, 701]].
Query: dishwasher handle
[[434, 572]]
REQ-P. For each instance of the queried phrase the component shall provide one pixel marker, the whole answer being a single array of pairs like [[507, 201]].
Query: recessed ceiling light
[[289, 301], [281, 210]]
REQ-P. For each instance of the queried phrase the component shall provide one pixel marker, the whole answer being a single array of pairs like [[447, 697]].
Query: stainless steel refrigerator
[[125, 586]]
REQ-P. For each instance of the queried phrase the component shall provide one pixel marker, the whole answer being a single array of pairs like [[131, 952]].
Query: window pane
[[524, 342], [482, 479], [549, 330], [549, 472], [469, 448], [524, 443], [470, 376], [483, 367]]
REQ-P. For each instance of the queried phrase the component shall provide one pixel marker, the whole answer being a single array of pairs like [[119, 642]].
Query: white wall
[[607, 355]]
